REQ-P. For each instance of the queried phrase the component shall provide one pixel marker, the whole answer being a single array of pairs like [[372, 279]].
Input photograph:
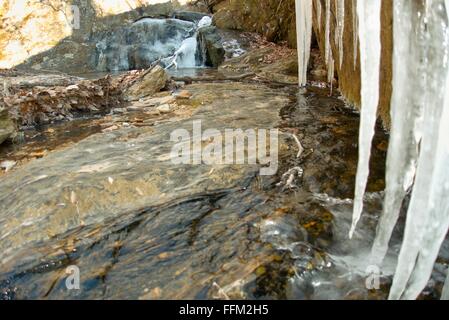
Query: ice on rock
[[206, 21], [368, 12], [304, 36]]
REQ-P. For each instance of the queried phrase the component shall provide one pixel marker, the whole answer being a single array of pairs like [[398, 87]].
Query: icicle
[[304, 36], [331, 71], [428, 213], [327, 42], [355, 35], [445, 293], [406, 115], [340, 29], [318, 13], [368, 12]]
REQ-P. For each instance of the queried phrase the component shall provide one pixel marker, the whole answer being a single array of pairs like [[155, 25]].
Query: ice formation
[[327, 41], [340, 29], [368, 12], [173, 42], [319, 11], [205, 21], [428, 212], [304, 30], [418, 154], [355, 35]]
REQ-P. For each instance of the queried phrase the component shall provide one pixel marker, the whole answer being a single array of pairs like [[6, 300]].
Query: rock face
[[272, 18], [150, 83], [212, 46], [7, 127], [47, 34]]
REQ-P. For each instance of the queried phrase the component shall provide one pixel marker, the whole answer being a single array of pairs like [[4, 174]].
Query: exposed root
[[300, 147]]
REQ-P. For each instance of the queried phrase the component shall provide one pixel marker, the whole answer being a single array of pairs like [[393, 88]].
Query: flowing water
[[138, 226]]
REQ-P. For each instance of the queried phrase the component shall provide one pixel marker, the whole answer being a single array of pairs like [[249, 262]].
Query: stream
[[139, 227]]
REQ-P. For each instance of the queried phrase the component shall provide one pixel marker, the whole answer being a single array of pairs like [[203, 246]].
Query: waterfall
[[418, 153], [172, 41]]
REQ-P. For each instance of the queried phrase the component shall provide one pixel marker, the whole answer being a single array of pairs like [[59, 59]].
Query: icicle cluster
[[428, 212], [419, 146], [304, 38], [418, 154]]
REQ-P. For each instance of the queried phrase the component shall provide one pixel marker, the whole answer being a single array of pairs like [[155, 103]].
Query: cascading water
[[419, 148], [172, 41]]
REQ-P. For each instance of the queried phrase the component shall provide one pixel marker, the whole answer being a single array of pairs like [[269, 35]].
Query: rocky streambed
[[101, 193]]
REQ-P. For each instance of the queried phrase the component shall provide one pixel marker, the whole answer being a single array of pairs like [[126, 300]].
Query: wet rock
[[211, 43], [134, 108], [7, 165], [111, 128], [165, 108], [138, 160], [7, 127], [149, 83], [184, 94], [119, 110], [274, 63], [189, 16]]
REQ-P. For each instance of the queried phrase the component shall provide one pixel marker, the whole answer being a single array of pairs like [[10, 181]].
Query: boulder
[[7, 127], [212, 46], [151, 82]]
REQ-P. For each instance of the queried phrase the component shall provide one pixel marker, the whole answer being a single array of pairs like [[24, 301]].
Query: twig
[[221, 292]]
